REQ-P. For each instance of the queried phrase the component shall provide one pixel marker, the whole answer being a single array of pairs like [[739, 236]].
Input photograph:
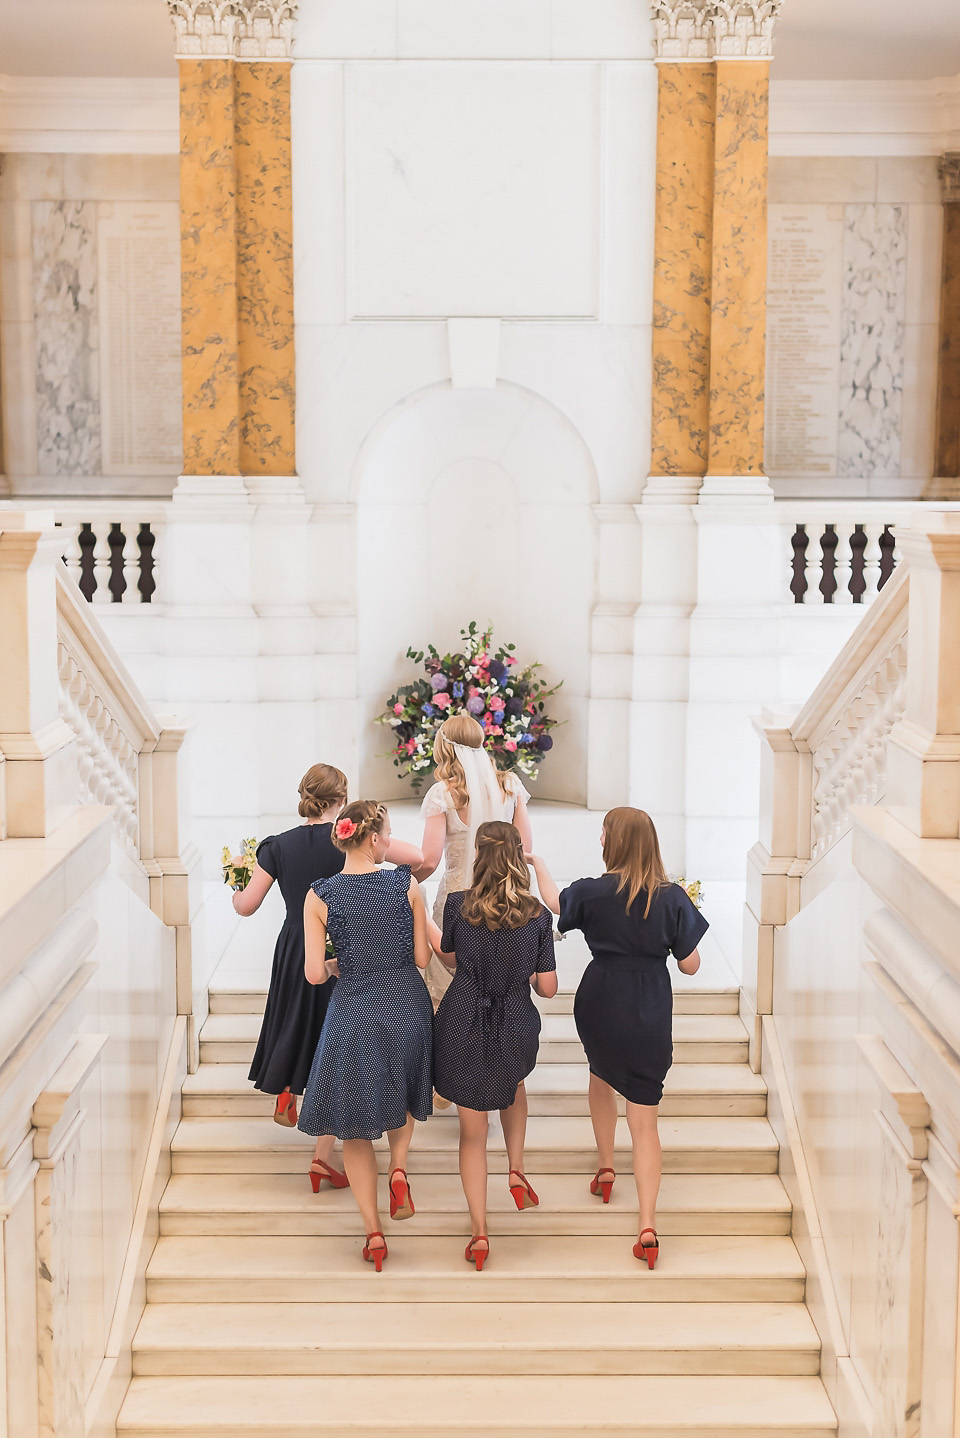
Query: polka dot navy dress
[[373, 1062]]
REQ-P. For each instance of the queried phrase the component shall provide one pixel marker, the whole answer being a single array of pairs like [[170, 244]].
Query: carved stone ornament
[[743, 29], [949, 168], [248, 29], [683, 29]]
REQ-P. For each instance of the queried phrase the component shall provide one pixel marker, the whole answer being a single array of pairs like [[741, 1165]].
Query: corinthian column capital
[[266, 29], [683, 29], [205, 29], [743, 29], [949, 168]]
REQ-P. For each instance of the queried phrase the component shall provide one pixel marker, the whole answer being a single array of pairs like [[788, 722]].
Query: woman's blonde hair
[[321, 786], [631, 850], [500, 895], [459, 729], [357, 822]]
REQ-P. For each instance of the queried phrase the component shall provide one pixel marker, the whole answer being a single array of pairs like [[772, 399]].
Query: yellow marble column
[[946, 482], [208, 267], [739, 276], [265, 268], [681, 277]]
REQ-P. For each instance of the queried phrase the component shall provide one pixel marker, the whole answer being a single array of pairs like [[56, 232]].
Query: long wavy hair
[[631, 850], [500, 895], [459, 729]]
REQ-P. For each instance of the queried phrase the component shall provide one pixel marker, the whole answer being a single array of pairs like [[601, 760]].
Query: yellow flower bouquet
[[237, 868], [693, 890]]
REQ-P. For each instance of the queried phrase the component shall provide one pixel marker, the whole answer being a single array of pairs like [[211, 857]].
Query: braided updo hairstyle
[[321, 786], [357, 822]]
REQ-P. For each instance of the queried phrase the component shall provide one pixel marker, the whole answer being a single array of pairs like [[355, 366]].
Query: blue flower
[[526, 739], [458, 689], [428, 711]]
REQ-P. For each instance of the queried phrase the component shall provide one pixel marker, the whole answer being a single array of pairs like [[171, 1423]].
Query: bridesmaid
[[487, 1028], [633, 918], [372, 1070]]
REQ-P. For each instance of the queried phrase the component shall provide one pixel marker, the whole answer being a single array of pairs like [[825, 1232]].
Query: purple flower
[[476, 705], [458, 689], [544, 742], [438, 682], [498, 671]]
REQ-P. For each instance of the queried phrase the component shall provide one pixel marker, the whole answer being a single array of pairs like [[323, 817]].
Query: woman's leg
[[514, 1121], [324, 1149], [642, 1121], [473, 1165], [603, 1116], [360, 1162], [399, 1141]]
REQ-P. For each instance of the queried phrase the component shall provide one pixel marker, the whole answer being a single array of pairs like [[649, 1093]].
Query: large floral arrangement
[[508, 701]]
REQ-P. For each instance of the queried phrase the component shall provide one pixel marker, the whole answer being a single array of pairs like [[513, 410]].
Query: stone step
[[278, 1204], [184, 1339], [697, 1038], [554, 1145], [474, 1407], [239, 1000], [531, 1269], [222, 1090]]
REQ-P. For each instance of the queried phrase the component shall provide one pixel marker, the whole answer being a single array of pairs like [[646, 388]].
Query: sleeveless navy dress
[[373, 1064], [624, 1003], [295, 1010]]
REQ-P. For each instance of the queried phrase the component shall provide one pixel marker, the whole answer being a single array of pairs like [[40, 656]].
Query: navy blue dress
[[624, 1003], [295, 1010], [486, 1032], [374, 1059]]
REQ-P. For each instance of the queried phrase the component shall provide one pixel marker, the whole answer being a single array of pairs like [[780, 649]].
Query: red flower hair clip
[[345, 829]]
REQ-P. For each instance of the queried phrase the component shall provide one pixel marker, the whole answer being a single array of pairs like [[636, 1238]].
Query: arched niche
[[475, 504]]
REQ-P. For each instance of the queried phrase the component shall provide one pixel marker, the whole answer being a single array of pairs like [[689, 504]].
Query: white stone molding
[[266, 29], [683, 29], [949, 171], [743, 29], [205, 29]]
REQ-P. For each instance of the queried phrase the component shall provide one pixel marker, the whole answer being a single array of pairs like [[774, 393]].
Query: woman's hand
[[247, 901], [549, 893]]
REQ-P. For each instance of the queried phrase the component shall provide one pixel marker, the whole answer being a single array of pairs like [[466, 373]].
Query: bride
[[470, 791]]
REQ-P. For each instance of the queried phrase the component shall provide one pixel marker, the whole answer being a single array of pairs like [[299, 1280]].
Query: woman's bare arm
[[421, 949], [549, 893], [521, 820], [546, 985], [247, 901], [431, 849], [449, 961], [399, 852], [690, 964], [314, 939]]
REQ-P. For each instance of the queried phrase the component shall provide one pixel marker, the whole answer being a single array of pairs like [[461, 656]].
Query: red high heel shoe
[[321, 1172], [603, 1186], [401, 1199], [523, 1195], [648, 1251], [375, 1255], [477, 1255], [286, 1110]]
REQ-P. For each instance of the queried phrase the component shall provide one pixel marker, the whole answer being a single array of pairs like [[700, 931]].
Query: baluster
[[102, 564], [131, 571], [872, 555], [813, 568], [798, 549], [842, 565], [70, 535]]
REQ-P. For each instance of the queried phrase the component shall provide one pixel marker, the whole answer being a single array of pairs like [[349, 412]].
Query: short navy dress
[[486, 1032], [295, 1010], [624, 1003], [373, 1062]]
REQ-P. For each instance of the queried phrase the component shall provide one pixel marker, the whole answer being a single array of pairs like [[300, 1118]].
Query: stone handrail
[[101, 704]]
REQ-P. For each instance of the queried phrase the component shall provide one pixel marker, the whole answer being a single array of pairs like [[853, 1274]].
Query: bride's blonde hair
[[459, 729]]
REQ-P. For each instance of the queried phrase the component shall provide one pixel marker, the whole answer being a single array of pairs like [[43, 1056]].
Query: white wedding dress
[[457, 872]]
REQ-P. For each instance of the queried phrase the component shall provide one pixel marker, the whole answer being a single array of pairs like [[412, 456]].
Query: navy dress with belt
[[373, 1062], [624, 1003]]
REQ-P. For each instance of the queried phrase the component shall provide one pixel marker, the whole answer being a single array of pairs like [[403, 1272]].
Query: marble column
[[946, 481], [265, 243], [686, 92]]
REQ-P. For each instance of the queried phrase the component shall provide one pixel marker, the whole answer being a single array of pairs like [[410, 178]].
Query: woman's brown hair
[[631, 850], [357, 822], [459, 729], [321, 786], [500, 895]]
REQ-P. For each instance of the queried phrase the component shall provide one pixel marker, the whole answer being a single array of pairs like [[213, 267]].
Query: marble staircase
[[261, 1320]]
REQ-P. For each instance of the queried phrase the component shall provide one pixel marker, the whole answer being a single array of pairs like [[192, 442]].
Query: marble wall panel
[[66, 337], [739, 273], [872, 339], [681, 273], [948, 404], [265, 268], [18, 1233]]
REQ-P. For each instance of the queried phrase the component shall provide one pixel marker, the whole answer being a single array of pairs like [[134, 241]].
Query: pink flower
[[345, 829], [488, 717], [442, 701], [398, 708], [511, 745], [496, 729], [472, 692], [411, 745], [497, 703]]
